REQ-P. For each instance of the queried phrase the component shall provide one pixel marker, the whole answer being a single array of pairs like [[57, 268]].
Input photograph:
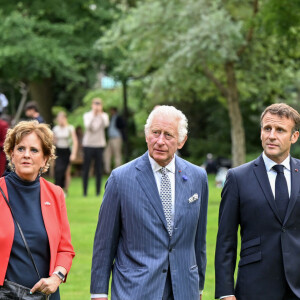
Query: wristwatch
[[60, 275]]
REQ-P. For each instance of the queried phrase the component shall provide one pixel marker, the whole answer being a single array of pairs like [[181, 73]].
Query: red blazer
[[56, 222]]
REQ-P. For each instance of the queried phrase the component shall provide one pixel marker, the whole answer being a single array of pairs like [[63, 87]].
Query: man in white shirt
[[151, 232], [262, 198]]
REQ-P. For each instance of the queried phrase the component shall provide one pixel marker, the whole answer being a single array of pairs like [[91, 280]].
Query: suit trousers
[[168, 292], [96, 154], [289, 294]]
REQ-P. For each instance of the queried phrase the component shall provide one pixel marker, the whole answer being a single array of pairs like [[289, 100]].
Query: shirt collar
[[269, 163], [156, 167]]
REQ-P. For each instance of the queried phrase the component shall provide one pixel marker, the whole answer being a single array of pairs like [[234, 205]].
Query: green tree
[[202, 47], [49, 44]]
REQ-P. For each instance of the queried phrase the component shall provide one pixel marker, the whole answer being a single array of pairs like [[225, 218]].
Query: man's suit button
[[283, 229], [164, 271], [171, 249]]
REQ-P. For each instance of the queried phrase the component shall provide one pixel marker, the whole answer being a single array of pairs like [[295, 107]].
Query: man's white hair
[[169, 112]]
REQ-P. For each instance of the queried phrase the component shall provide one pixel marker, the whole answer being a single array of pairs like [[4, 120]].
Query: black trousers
[[89, 154], [61, 165]]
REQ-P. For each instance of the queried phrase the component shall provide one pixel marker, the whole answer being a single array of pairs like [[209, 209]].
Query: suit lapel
[[181, 190], [145, 178], [295, 186], [263, 180]]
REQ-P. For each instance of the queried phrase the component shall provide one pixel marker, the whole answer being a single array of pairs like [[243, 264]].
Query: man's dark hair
[[114, 109], [283, 110], [31, 105]]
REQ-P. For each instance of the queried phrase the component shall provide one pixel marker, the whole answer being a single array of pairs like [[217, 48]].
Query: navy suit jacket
[[132, 240], [270, 248]]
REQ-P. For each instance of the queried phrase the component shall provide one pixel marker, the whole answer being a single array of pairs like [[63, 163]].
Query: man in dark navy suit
[[263, 198]]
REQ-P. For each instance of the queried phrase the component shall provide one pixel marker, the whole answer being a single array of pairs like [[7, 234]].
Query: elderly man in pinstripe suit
[[151, 232]]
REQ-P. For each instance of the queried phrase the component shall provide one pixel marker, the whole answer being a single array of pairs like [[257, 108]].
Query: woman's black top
[[24, 197]]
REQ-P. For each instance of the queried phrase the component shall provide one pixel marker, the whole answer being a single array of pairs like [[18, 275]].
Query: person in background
[[40, 209], [3, 102], [3, 129], [66, 143], [32, 112], [115, 140], [79, 134], [151, 231], [210, 164], [95, 122]]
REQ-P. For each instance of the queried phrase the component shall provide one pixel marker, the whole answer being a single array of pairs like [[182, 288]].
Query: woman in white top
[[66, 148]]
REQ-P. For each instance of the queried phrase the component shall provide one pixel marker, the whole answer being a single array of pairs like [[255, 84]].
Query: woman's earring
[[41, 171], [13, 168]]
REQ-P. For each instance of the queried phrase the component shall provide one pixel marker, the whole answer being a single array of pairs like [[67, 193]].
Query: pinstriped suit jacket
[[132, 240]]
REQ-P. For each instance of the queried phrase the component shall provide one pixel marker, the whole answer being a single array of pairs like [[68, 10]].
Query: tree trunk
[[41, 93], [24, 93], [238, 146], [125, 115]]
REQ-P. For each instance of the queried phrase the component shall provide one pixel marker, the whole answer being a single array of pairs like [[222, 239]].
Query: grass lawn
[[83, 215]]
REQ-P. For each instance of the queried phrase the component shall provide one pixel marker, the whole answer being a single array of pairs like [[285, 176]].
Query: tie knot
[[278, 168], [163, 170]]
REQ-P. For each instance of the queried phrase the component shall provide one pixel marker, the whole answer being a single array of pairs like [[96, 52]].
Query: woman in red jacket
[[39, 207]]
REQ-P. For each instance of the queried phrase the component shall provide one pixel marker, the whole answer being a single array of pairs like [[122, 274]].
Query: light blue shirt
[[113, 131]]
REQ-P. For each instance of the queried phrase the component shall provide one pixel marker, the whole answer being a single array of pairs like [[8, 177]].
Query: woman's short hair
[[23, 128], [283, 110], [169, 112], [61, 113]]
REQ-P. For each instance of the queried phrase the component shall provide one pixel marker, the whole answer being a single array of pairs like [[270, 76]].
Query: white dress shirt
[[272, 173], [269, 163], [171, 173]]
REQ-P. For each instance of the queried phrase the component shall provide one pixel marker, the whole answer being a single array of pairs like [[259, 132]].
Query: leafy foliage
[[180, 49], [53, 39], [282, 17], [172, 41]]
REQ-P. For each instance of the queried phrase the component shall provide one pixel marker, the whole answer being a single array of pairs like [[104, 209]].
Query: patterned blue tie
[[281, 191], [166, 198]]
